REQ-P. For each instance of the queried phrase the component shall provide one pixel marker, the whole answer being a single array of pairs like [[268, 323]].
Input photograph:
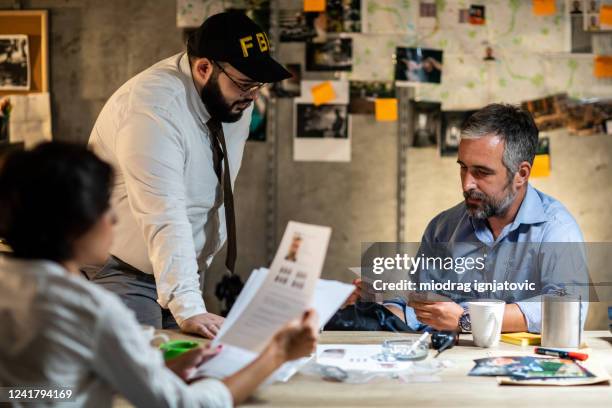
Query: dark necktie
[[219, 153]]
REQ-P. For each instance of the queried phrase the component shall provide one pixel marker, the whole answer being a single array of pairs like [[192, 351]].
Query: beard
[[216, 104], [489, 206]]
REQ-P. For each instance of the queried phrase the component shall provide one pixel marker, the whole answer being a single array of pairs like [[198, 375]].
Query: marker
[[560, 353]]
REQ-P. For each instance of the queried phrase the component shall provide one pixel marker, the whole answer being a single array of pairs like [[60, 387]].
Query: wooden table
[[455, 387]]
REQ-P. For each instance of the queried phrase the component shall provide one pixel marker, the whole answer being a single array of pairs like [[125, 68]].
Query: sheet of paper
[[314, 5], [357, 357], [327, 299], [30, 120], [323, 93], [385, 109], [544, 7], [541, 166], [605, 15], [340, 90], [602, 67], [286, 291]]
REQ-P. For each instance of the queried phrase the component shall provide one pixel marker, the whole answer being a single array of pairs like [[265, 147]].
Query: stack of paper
[[270, 298]]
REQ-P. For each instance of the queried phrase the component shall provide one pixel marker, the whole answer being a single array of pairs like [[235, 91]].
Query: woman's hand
[[296, 339], [185, 364]]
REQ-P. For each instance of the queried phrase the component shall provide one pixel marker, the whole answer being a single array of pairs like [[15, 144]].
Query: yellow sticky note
[[323, 93], [385, 109], [541, 166], [544, 7], [602, 68], [314, 5], [605, 15]]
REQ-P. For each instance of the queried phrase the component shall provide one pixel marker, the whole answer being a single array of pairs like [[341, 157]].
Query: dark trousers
[[136, 289]]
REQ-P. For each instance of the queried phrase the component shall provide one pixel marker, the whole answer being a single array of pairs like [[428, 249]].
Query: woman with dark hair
[[59, 330]]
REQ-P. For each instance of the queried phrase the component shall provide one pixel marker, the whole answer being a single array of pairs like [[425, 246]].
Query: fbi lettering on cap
[[262, 41]]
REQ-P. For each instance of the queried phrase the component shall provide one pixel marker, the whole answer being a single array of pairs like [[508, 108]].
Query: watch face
[[465, 322]]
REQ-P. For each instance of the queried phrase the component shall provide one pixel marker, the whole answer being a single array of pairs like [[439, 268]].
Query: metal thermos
[[561, 321]]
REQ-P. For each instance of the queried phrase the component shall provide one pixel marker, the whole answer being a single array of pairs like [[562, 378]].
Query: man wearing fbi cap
[[175, 134]]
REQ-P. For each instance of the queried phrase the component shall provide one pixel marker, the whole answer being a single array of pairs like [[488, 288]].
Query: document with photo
[[286, 292]]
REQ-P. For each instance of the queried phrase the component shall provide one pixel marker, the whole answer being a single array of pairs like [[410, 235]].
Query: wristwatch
[[465, 323]]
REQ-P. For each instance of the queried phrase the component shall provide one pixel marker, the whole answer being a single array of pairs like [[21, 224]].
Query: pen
[[561, 353]]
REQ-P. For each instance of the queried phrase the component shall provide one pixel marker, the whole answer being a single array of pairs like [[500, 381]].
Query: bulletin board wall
[[33, 23]]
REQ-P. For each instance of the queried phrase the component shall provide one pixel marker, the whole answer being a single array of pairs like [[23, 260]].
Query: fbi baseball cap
[[234, 38]]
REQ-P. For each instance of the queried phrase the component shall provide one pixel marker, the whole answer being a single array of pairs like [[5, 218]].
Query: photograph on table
[[418, 65], [527, 367], [14, 63], [323, 121], [426, 121], [450, 131], [363, 94], [343, 16], [289, 88], [332, 55]]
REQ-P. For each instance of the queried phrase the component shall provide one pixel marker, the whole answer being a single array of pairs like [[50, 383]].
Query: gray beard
[[490, 207]]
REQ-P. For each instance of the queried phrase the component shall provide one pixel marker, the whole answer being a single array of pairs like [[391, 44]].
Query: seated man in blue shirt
[[524, 234]]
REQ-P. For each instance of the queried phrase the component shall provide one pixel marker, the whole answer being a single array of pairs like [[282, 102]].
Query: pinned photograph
[[426, 123], [289, 88], [418, 65], [450, 131], [427, 9], [297, 26], [14, 63], [332, 55], [363, 94], [477, 15], [323, 121], [343, 16]]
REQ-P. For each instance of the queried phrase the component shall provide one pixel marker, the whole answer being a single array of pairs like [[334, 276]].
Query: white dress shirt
[[166, 194], [61, 330]]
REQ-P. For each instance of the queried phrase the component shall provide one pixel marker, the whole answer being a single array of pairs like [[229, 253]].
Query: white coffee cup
[[486, 316]]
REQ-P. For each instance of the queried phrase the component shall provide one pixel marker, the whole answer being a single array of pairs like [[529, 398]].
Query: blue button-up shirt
[[542, 245]]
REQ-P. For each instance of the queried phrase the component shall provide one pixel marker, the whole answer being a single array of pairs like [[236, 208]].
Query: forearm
[[245, 382], [514, 320]]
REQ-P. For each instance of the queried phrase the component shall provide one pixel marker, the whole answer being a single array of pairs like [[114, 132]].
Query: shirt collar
[[192, 93], [531, 210]]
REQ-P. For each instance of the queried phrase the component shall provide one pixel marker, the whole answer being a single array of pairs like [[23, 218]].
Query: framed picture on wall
[[24, 51], [14, 62]]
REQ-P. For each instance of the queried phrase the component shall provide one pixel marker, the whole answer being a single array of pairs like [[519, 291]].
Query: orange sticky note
[[541, 166], [544, 7], [314, 5], [323, 93], [385, 109], [605, 15], [602, 68]]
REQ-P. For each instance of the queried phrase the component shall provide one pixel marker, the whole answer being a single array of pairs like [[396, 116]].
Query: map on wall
[[514, 56]]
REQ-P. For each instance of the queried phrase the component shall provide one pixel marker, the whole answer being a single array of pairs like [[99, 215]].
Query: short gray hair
[[511, 124]]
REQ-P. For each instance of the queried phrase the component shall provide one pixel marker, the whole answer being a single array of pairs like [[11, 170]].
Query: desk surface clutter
[[450, 387]]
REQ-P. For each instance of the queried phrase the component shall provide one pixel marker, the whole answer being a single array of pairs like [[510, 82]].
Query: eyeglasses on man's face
[[250, 89]]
